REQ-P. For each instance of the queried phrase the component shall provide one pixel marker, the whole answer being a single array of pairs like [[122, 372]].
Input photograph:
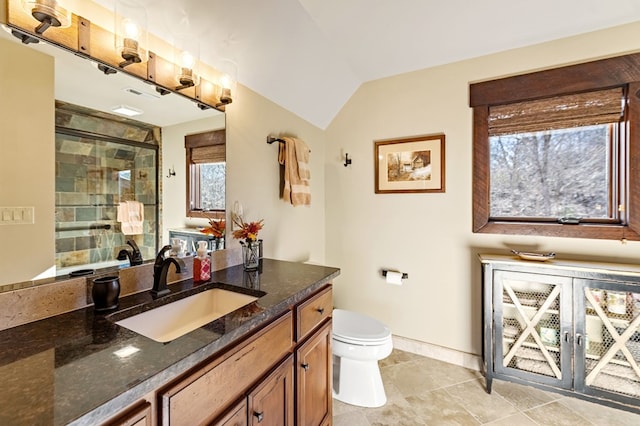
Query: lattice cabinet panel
[[529, 327], [611, 345]]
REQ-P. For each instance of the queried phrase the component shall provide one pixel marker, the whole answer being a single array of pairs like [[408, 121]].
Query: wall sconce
[[130, 32], [228, 81], [186, 60], [50, 13]]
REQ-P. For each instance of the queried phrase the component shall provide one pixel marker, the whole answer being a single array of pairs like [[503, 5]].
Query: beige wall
[[429, 236], [253, 178], [26, 161]]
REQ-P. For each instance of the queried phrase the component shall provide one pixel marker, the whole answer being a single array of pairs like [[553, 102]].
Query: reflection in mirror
[[206, 167], [78, 82], [106, 188]]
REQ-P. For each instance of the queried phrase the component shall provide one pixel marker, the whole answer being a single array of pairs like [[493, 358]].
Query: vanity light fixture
[[228, 81], [127, 110], [124, 48], [131, 32], [50, 13]]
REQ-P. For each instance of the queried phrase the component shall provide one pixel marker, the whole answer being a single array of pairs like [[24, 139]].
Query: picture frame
[[410, 165]]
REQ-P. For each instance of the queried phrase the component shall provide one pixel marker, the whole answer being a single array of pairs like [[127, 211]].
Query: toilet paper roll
[[394, 278]]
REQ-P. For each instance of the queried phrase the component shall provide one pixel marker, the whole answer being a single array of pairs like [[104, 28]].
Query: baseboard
[[452, 356]]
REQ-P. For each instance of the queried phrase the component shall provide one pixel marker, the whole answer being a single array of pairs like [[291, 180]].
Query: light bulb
[[226, 81], [187, 60], [130, 29]]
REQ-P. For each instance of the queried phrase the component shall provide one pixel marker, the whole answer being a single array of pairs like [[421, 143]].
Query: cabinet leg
[[488, 381]]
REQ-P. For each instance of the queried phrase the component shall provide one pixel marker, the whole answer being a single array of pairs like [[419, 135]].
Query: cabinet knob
[[305, 366], [258, 415], [320, 311]]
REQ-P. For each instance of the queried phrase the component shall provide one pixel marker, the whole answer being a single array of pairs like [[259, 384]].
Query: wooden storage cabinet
[[313, 379], [573, 327], [205, 394], [266, 380]]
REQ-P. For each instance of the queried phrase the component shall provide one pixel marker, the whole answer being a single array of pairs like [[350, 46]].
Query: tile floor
[[424, 391]]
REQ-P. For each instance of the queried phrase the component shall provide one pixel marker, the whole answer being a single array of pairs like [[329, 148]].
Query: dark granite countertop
[[63, 369]]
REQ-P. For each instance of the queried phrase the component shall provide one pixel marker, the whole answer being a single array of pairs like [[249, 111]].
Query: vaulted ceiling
[[310, 56]]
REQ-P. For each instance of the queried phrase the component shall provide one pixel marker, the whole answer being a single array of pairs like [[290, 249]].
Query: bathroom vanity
[[568, 326], [268, 362]]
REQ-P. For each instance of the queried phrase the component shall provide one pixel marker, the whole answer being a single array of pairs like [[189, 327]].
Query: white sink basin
[[175, 319]]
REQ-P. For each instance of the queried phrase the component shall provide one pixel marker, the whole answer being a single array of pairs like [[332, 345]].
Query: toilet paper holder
[[404, 274]]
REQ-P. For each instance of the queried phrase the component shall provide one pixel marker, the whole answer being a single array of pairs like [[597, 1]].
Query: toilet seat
[[351, 327]]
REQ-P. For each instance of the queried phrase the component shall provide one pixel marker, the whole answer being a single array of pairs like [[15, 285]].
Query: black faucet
[[160, 269], [134, 255]]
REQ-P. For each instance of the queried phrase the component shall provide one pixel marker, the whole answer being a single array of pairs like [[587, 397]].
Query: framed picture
[[413, 164]]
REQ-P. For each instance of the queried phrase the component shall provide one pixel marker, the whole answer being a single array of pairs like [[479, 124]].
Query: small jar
[[617, 302], [105, 293]]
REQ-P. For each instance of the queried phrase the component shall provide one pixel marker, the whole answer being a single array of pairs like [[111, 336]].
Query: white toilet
[[358, 343]]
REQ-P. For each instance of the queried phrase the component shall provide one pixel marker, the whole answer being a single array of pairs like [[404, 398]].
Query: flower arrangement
[[248, 230], [216, 228]]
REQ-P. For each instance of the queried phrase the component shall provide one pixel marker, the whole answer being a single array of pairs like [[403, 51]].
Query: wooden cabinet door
[[237, 416], [313, 371], [271, 403]]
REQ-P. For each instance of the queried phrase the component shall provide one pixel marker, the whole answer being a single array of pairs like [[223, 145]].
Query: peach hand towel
[[131, 217], [294, 156]]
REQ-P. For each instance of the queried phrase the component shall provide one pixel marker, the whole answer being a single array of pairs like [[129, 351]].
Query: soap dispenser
[[201, 264]]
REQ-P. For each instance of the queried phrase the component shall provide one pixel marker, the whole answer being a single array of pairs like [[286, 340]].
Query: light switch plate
[[17, 215]]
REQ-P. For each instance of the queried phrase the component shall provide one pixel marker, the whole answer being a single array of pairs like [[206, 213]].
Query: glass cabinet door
[[533, 318], [609, 355]]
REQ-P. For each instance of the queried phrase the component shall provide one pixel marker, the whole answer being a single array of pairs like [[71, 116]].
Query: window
[[555, 151], [206, 168]]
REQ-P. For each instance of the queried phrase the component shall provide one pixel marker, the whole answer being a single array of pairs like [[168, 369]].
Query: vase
[[105, 292], [250, 254]]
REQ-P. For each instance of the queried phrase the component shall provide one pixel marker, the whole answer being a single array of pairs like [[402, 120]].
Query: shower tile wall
[[92, 177]]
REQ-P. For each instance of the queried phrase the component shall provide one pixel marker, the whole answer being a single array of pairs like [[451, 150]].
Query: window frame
[[199, 140], [589, 76]]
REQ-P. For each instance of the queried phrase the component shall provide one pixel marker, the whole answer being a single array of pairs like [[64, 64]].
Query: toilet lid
[[350, 326]]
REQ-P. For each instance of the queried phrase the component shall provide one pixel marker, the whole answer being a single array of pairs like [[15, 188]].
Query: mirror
[[79, 82]]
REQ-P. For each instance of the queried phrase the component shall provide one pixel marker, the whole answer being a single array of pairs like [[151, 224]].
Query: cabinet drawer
[[313, 312], [206, 393]]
